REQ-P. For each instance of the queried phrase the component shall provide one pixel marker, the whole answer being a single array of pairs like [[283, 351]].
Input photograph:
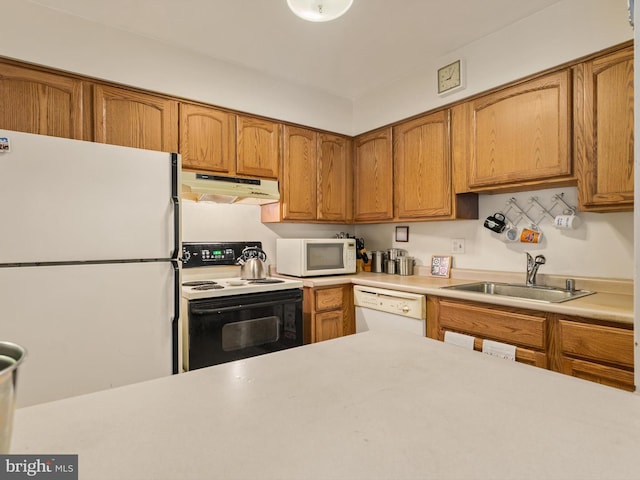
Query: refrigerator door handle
[[175, 256], [175, 198], [176, 315]]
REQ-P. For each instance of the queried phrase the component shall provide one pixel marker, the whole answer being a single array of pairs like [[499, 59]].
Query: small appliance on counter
[[314, 257], [229, 313]]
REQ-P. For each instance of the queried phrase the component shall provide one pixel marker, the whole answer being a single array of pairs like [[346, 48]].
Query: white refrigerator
[[89, 263]]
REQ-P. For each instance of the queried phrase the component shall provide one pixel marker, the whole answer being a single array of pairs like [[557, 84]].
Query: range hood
[[214, 188]]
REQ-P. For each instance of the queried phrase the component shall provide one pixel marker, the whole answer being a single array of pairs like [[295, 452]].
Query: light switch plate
[[457, 245]]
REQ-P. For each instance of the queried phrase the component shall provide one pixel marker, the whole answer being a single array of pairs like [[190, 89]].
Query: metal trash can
[[11, 356]]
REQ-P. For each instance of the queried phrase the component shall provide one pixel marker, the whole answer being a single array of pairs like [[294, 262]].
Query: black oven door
[[224, 329]]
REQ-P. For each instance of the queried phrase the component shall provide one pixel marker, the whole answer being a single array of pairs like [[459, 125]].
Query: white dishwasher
[[380, 309]]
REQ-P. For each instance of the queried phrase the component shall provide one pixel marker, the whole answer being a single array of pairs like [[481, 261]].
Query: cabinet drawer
[[504, 325], [329, 298], [596, 342], [605, 375]]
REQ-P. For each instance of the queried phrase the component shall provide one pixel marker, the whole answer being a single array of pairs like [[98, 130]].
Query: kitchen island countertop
[[612, 301], [367, 406]]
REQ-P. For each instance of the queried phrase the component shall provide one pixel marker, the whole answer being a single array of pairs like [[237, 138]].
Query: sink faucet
[[532, 267]]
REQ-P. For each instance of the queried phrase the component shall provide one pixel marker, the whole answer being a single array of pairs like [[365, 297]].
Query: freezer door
[[67, 200], [87, 327]]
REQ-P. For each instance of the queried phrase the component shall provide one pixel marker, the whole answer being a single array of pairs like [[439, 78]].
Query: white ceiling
[[373, 44]]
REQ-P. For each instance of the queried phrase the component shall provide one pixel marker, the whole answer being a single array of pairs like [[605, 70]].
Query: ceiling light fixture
[[319, 10]]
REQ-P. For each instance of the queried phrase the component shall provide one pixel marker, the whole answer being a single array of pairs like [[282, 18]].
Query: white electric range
[[226, 318]]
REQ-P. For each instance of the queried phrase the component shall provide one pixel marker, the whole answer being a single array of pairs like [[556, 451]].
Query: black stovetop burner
[[266, 280]]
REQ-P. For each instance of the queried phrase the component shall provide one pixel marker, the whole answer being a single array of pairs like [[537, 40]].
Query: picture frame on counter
[[402, 234], [441, 266]]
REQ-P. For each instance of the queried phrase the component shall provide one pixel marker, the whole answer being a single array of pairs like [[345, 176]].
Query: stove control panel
[[208, 254]]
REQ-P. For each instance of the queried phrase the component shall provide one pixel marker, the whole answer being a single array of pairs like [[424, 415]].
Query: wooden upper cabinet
[[334, 201], [207, 139], [521, 135], [38, 102], [298, 179], [604, 132], [315, 180], [373, 176], [258, 147], [422, 162], [135, 119]]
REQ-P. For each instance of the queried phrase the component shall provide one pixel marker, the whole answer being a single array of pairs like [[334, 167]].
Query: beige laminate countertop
[[375, 405], [613, 301]]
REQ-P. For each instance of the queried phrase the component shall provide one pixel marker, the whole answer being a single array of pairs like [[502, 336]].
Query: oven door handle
[[205, 311]]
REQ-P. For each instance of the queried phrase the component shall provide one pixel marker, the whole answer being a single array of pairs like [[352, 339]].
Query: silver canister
[[377, 261], [390, 267], [405, 265], [11, 356], [395, 253]]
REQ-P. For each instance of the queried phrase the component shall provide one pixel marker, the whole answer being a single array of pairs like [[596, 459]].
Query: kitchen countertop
[[612, 301], [367, 406]]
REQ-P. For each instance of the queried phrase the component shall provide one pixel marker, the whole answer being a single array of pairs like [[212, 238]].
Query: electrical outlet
[[457, 245]]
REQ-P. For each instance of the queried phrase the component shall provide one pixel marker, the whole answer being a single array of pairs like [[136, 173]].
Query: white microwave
[[312, 257]]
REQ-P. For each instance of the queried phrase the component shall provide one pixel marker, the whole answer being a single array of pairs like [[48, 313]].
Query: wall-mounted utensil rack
[[514, 213]]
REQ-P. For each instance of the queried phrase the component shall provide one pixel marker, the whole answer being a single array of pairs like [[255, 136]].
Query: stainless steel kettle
[[252, 264]]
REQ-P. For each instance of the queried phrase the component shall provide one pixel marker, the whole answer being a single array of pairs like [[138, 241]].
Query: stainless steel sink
[[536, 293]]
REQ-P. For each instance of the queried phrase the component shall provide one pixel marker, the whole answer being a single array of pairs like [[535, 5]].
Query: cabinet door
[[520, 135], [604, 132], [258, 152], [328, 325], [334, 178], [299, 174], [134, 119], [37, 102], [207, 139], [373, 176], [422, 161]]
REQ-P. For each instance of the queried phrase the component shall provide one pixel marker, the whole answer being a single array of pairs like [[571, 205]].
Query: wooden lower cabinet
[[328, 312], [596, 350], [526, 330], [599, 353]]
